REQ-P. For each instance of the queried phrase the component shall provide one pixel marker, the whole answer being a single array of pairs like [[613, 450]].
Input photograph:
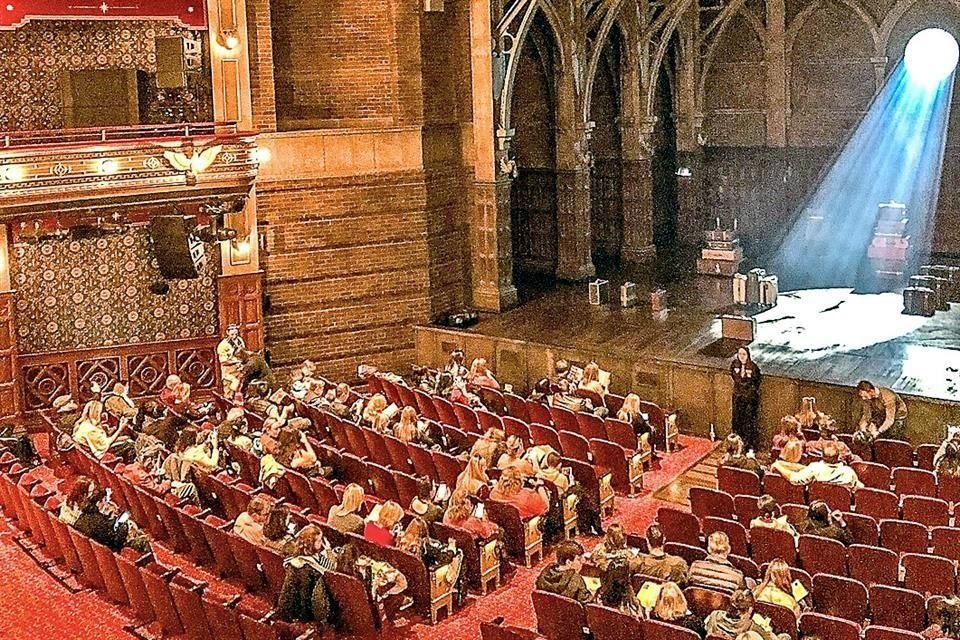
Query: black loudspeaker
[[179, 256], [171, 64]]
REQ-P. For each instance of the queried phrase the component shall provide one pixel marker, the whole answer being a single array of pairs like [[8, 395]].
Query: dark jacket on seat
[[564, 582]]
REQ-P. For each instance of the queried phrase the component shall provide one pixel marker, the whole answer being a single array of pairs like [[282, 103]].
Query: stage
[[814, 342]]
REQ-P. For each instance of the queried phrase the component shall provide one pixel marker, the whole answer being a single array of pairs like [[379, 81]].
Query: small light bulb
[[11, 173], [231, 41], [262, 155], [107, 167]]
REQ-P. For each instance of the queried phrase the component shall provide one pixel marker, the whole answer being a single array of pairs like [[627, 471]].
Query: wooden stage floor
[[831, 336]]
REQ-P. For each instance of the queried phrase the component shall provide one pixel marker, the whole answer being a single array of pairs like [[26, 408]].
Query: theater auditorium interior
[[479, 319]]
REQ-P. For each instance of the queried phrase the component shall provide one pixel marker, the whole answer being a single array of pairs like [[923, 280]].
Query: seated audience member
[[180, 464], [734, 456], [657, 563], [294, 451], [511, 490], [630, 412], [490, 446], [256, 369], [789, 461], [616, 588], [716, 571], [119, 403], [444, 560], [304, 596], [789, 430], [204, 453], [258, 402], [776, 587], [738, 619], [423, 505], [829, 471], [146, 471], [455, 365], [513, 457], [269, 440], [768, 515], [346, 516], [276, 530], [382, 524], [68, 412], [944, 620], [474, 477], [552, 471], [453, 390], [821, 522], [100, 526], [612, 548], [461, 513], [588, 510], [83, 487], [89, 432], [234, 432], [672, 607], [591, 380], [537, 456], [808, 416], [173, 395], [481, 376], [249, 524], [828, 434], [163, 425], [340, 405], [541, 390], [409, 429], [951, 441], [562, 577], [948, 465], [375, 414]]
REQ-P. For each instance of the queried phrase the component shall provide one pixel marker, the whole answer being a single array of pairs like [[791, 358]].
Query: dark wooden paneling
[[534, 214]]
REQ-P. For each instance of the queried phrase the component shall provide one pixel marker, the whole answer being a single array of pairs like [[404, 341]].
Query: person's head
[[867, 390], [444, 381], [561, 367], [591, 372], [120, 389], [741, 604], [615, 587], [457, 357], [828, 428], [743, 355], [478, 367], [82, 487], [408, 417], [790, 426], [946, 613], [542, 386], [718, 544], [792, 451], [514, 446], [272, 428], [347, 560], [510, 482], [186, 439], [631, 404], [733, 445], [288, 441], [173, 382], [460, 506], [569, 555], [950, 461], [655, 537], [614, 538], [343, 392], [275, 527], [92, 412], [352, 499], [819, 512], [778, 574], [831, 453], [671, 603], [553, 460], [309, 541], [407, 430], [767, 507], [376, 404], [258, 508], [233, 331], [414, 535], [390, 514], [495, 435]]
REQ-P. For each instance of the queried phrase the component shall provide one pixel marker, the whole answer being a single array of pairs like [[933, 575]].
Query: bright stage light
[[931, 56]]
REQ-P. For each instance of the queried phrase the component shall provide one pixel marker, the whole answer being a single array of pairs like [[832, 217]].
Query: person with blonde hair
[[716, 571], [490, 446], [789, 461], [410, 430], [374, 415], [249, 524], [671, 606], [346, 515], [631, 414], [382, 523], [481, 376], [513, 457], [511, 490], [444, 560], [591, 380], [461, 513], [776, 587], [474, 476], [90, 433], [789, 431]]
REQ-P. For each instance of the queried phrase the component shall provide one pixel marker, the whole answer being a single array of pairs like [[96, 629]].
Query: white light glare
[[931, 56]]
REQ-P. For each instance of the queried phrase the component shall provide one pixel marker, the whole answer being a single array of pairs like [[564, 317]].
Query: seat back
[[703, 602], [406, 485], [559, 618], [383, 485], [706, 502], [914, 482], [840, 597], [903, 537], [613, 402], [873, 474], [110, 571], [666, 631], [863, 529], [248, 563], [591, 426], [767, 544], [271, 563], [735, 531], [782, 490], [448, 467], [877, 503], [519, 428], [542, 434], [564, 419], [425, 405], [899, 608], [574, 445], [738, 481], [422, 462], [609, 624], [946, 542], [930, 512], [612, 457], [516, 407], [156, 581], [620, 432], [187, 597], [507, 517], [824, 626], [688, 552], [893, 453], [221, 614], [445, 411], [488, 420], [822, 555], [782, 619], [679, 526], [539, 413], [873, 565], [948, 488], [128, 562], [925, 454], [836, 496], [744, 508], [90, 576], [874, 632], [929, 574], [358, 616], [466, 418], [376, 446]]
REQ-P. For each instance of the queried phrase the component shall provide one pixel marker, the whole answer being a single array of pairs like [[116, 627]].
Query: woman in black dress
[[746, 397]]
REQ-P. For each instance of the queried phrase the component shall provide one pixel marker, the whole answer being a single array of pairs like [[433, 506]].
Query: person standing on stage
[[231, 368], [883, 412], [746, 398]]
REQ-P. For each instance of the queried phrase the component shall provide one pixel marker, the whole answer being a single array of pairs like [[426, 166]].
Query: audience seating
[[736, 533], [904, 537], [874, 632], [929, 574], [822, 555], [840, 597], [873, 565], [893, 453], [609, 624], [711, 502], [738, 481], [559, 618], [825, 626], [896, 607]]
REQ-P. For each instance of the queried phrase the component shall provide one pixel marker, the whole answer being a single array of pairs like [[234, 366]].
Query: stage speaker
[[171, 63], [741, 328], [179, 255]]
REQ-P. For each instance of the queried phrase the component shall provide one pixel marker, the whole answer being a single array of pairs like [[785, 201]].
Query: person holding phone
[[746, 397], [95, 523], [463, 514]]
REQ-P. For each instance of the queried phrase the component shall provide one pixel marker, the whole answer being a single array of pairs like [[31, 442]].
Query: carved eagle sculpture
[[196, 164]]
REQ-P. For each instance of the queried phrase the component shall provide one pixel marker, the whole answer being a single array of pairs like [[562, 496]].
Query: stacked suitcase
[[931, 291], [722, 255], [888, 249], [756, 288]]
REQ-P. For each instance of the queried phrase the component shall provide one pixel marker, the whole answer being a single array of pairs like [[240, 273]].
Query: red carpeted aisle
[[38, 607]]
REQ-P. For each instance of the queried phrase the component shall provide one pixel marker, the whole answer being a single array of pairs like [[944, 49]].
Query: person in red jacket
[[511, 490], [382, 528]]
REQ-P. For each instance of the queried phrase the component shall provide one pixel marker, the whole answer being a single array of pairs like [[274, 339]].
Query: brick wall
[[260, 43]]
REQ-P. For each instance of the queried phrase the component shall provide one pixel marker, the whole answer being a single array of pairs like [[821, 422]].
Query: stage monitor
[[179, 255]]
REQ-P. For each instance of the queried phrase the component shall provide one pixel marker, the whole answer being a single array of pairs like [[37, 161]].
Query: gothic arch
[[796, 26], [720, 26]]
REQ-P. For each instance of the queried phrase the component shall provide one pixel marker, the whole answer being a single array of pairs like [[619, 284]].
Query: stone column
[[776, 64], [574, 241], [637, 192], [690, 200]]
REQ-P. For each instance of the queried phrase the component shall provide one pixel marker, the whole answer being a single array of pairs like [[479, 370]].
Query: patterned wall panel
[[197, 367], [33, 58], [82, 294], [103, 372], [44, 382]]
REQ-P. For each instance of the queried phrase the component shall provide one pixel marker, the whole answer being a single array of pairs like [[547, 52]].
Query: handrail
[[10, 139]]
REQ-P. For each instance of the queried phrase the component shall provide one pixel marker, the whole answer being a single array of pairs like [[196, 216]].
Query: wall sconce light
[[12, 173], [230, 39], [262, 155], [107, 166]]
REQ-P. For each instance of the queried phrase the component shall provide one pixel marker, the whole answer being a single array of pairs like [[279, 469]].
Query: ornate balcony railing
[[88, 169]]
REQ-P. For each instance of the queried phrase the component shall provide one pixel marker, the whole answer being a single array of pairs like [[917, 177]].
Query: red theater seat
[[873, 565], [840, 597], [828, 627], [712, 502], [738, 481], [559, 618], [897, 608], [822, 555], [609, 624]]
